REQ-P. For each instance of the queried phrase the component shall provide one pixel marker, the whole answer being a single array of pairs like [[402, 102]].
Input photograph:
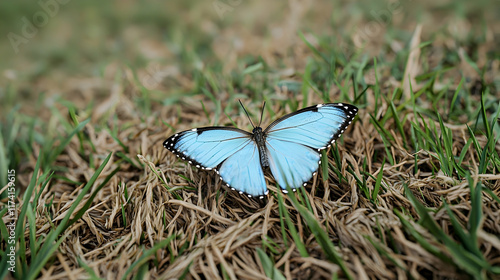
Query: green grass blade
[[476, 213], [26, 198], [268, 265], [60, 148], [48, 247], [147, 254], [89, 270], [378, 182], [291, 227], [321, 236], [87, 204]]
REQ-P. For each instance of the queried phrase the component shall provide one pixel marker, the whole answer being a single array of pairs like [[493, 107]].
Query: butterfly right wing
[[294, 141], [208, 147]]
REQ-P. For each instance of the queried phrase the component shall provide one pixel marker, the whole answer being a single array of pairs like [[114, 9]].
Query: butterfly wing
[[209, 147], [242, 171], [292, 164], [294, 142]]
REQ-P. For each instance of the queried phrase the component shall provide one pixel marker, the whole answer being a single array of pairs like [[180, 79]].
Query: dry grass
[[218, 230], [216, 233]]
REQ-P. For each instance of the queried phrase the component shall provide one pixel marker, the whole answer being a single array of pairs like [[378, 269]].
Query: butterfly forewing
[[242, 171], [207, 147], [315, 126], [294, 141]]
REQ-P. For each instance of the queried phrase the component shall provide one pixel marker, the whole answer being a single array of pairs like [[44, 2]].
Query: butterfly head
[[257, 130]]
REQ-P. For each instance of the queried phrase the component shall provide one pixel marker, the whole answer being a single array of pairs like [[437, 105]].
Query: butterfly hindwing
[[294, 141], [243, 172], [208, 147], [292, 164]]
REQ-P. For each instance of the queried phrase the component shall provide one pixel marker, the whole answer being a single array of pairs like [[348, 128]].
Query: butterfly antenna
[[246, 113], [262, 112]]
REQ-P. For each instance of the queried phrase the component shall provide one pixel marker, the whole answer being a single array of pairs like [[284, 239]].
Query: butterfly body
[[290, 147], [259, 138]]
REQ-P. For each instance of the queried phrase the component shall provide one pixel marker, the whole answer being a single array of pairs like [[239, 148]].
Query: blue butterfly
[[291, 148]]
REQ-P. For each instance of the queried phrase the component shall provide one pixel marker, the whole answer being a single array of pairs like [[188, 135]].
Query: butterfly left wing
[[207, 147], [233, 149], [294, 141]]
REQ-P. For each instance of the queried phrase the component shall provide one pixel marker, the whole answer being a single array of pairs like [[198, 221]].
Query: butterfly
[[290, 147]]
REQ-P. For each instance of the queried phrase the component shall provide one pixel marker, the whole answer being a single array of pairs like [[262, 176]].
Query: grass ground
[[410, 191]]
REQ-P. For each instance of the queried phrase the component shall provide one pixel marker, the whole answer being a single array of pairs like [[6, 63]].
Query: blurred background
[[75, 48]]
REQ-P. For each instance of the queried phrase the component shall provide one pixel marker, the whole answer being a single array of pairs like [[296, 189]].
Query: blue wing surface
[[209, 146], [292, 144], [242, 171], [292, 164], [294, 141], [316, 126]]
